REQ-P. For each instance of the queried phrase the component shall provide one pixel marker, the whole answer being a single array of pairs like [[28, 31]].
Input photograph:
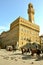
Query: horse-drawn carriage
[[33, 48]]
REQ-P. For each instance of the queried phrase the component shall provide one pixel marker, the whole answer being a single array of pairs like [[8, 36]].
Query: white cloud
[[2, 28], [41, 32]]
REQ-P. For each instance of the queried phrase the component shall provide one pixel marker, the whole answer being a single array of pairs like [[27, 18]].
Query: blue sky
[[12, 9]]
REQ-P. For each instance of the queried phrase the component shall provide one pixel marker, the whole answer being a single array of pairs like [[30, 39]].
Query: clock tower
[[31, 13]]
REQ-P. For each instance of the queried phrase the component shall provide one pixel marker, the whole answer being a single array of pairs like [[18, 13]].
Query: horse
[[37, 51], [25, 50]]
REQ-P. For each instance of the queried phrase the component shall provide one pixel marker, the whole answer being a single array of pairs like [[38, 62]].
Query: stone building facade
[[41, 41], [21, 31]]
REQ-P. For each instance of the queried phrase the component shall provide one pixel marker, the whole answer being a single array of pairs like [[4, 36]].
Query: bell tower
[[31, 13]]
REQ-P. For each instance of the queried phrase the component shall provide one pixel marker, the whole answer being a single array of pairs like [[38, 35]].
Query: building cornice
[[29, 24]]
